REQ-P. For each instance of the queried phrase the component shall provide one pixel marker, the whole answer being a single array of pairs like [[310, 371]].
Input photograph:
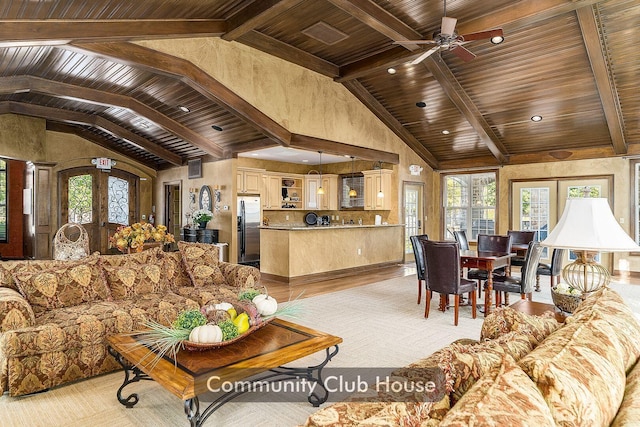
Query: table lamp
[[587, 227]]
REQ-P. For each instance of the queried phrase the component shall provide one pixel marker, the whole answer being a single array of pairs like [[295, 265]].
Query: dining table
[[489, 261]]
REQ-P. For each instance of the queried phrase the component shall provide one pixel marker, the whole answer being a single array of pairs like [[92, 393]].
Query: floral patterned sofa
[[524, 371], [55, 315]]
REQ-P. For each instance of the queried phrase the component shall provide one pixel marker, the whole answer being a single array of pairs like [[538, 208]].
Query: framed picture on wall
[[194, 167], [205, 197]]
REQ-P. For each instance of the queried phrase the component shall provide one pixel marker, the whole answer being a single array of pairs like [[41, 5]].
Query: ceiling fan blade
[[403, 42], [448, 26], [463, 53], [425, 55], [482, 35]]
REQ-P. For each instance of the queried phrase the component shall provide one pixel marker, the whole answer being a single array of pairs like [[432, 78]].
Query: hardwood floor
[[282, 291]]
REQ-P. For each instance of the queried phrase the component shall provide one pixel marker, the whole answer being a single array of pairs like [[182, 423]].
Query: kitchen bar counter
[[298, 253]]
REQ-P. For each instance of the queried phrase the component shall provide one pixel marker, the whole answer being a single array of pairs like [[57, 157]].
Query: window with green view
[[470, 204], [3, 201]]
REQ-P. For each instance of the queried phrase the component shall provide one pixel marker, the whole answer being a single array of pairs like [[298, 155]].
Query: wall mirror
[[205, 197]]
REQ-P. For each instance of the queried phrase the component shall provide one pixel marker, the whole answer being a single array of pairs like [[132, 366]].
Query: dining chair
[[418, 254], [525, 284], [520, 237], [490, 243], [443, 275], [461, 238], [552, 269]]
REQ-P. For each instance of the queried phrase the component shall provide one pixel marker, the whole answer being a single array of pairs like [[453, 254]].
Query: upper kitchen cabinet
[[272, 194], [249, 180], [292, 188], [327, 201], [376, 181]]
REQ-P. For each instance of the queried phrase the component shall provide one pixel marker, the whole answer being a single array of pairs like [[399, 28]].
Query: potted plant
[[202, 217]]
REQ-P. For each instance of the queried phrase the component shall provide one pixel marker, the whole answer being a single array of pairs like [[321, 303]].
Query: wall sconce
[[216, 197]]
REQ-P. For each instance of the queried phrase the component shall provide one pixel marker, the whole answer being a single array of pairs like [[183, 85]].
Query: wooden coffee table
[[258, 357], [537, 308]]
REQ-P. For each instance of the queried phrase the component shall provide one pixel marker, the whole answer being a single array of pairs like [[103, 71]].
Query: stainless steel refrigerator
[[248, 230]]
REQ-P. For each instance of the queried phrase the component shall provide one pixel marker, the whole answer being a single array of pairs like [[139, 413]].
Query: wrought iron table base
[[192, 406]]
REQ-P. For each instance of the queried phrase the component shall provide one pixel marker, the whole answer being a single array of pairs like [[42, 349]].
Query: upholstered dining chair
[[520, 237], [525, 284], [461, 238], [552, 269], [490, 243], [418, 254], [443, 275]]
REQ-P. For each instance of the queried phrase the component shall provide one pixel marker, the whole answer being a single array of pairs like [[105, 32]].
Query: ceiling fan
[[448, 39]]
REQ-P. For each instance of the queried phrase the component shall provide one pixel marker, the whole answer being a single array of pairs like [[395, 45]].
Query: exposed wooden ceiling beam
[[92, 96], [108, 30], [512, 17], [289, 53], [360, 92], [75, 117], [459, 97], [96, 139], [195, 77], [254, 15], [311, 143], [379, 19], [603, 76]]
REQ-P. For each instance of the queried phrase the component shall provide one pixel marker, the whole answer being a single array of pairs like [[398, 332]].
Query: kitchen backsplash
[[296, 217]]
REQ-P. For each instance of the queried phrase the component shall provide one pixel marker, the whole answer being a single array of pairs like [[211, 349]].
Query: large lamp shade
[[587, 227]]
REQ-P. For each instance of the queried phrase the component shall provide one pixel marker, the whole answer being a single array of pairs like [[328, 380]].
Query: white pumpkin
[[206, 334], [265, 304], [223, 306]]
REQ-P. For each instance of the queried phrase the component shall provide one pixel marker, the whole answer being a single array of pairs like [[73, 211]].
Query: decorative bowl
[[193, 346], [566, 303]]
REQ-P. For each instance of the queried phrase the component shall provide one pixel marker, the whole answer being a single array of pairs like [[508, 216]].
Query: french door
[[99, 201], [538, 205], [413, 206]]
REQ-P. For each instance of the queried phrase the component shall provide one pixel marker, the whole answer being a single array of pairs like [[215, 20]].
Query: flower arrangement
[[202, 216], [136, 235]]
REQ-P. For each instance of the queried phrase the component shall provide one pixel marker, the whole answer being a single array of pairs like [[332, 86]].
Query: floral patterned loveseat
[[55, 315], [524, 371]]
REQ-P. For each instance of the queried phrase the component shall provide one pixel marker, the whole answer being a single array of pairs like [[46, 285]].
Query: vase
[[202, 224]]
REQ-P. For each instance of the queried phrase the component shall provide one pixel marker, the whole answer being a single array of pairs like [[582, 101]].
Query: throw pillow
[[505, 396], [505, 319], [128, 282], [7, 269], [175, 271], [201, 262], [629, 412], [67, 284]]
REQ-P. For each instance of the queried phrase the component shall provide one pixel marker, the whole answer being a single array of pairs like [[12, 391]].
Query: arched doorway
[[100, 201]]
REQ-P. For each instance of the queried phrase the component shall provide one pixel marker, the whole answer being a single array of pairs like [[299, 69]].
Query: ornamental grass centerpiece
[[214, 325], [134, 237]]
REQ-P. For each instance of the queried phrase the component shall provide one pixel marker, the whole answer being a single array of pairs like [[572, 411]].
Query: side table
[[537, 309]]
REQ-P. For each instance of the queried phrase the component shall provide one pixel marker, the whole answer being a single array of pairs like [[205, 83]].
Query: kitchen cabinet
[[374, 182], [291, 192], [329, 200], [272, 194], [249, 180]]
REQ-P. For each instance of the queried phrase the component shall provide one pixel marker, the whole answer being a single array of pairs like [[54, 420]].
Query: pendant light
[[380, 193], [352, 191], [320, 189]]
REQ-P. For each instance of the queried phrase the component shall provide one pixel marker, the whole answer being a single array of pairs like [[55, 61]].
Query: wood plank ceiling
[[574, 62]]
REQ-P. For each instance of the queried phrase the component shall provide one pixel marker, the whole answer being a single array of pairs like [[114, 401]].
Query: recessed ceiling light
[[497, 39], [445, 132], [184, 109], [143, 124], [216, 127], [391, 70], [536, 118], [254, 154], [421, 104], [305, 161]]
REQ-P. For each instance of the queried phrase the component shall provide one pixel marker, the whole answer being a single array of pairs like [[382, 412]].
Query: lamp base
[[585, 274]]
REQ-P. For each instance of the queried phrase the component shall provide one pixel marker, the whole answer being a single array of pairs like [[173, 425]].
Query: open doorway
[[173, 207], [413, 209]]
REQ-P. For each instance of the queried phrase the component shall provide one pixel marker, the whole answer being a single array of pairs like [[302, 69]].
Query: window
[[470, 204], [81, 199], [347, 182], [118, 195], [3, 201]]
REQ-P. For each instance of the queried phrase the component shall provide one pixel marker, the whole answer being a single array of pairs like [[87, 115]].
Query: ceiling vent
[[324, 33]]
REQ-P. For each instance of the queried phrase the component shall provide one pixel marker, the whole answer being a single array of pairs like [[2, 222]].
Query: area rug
[[381, 325]]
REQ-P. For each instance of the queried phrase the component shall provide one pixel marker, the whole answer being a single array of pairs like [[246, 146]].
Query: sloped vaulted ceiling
[[575, 63]]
